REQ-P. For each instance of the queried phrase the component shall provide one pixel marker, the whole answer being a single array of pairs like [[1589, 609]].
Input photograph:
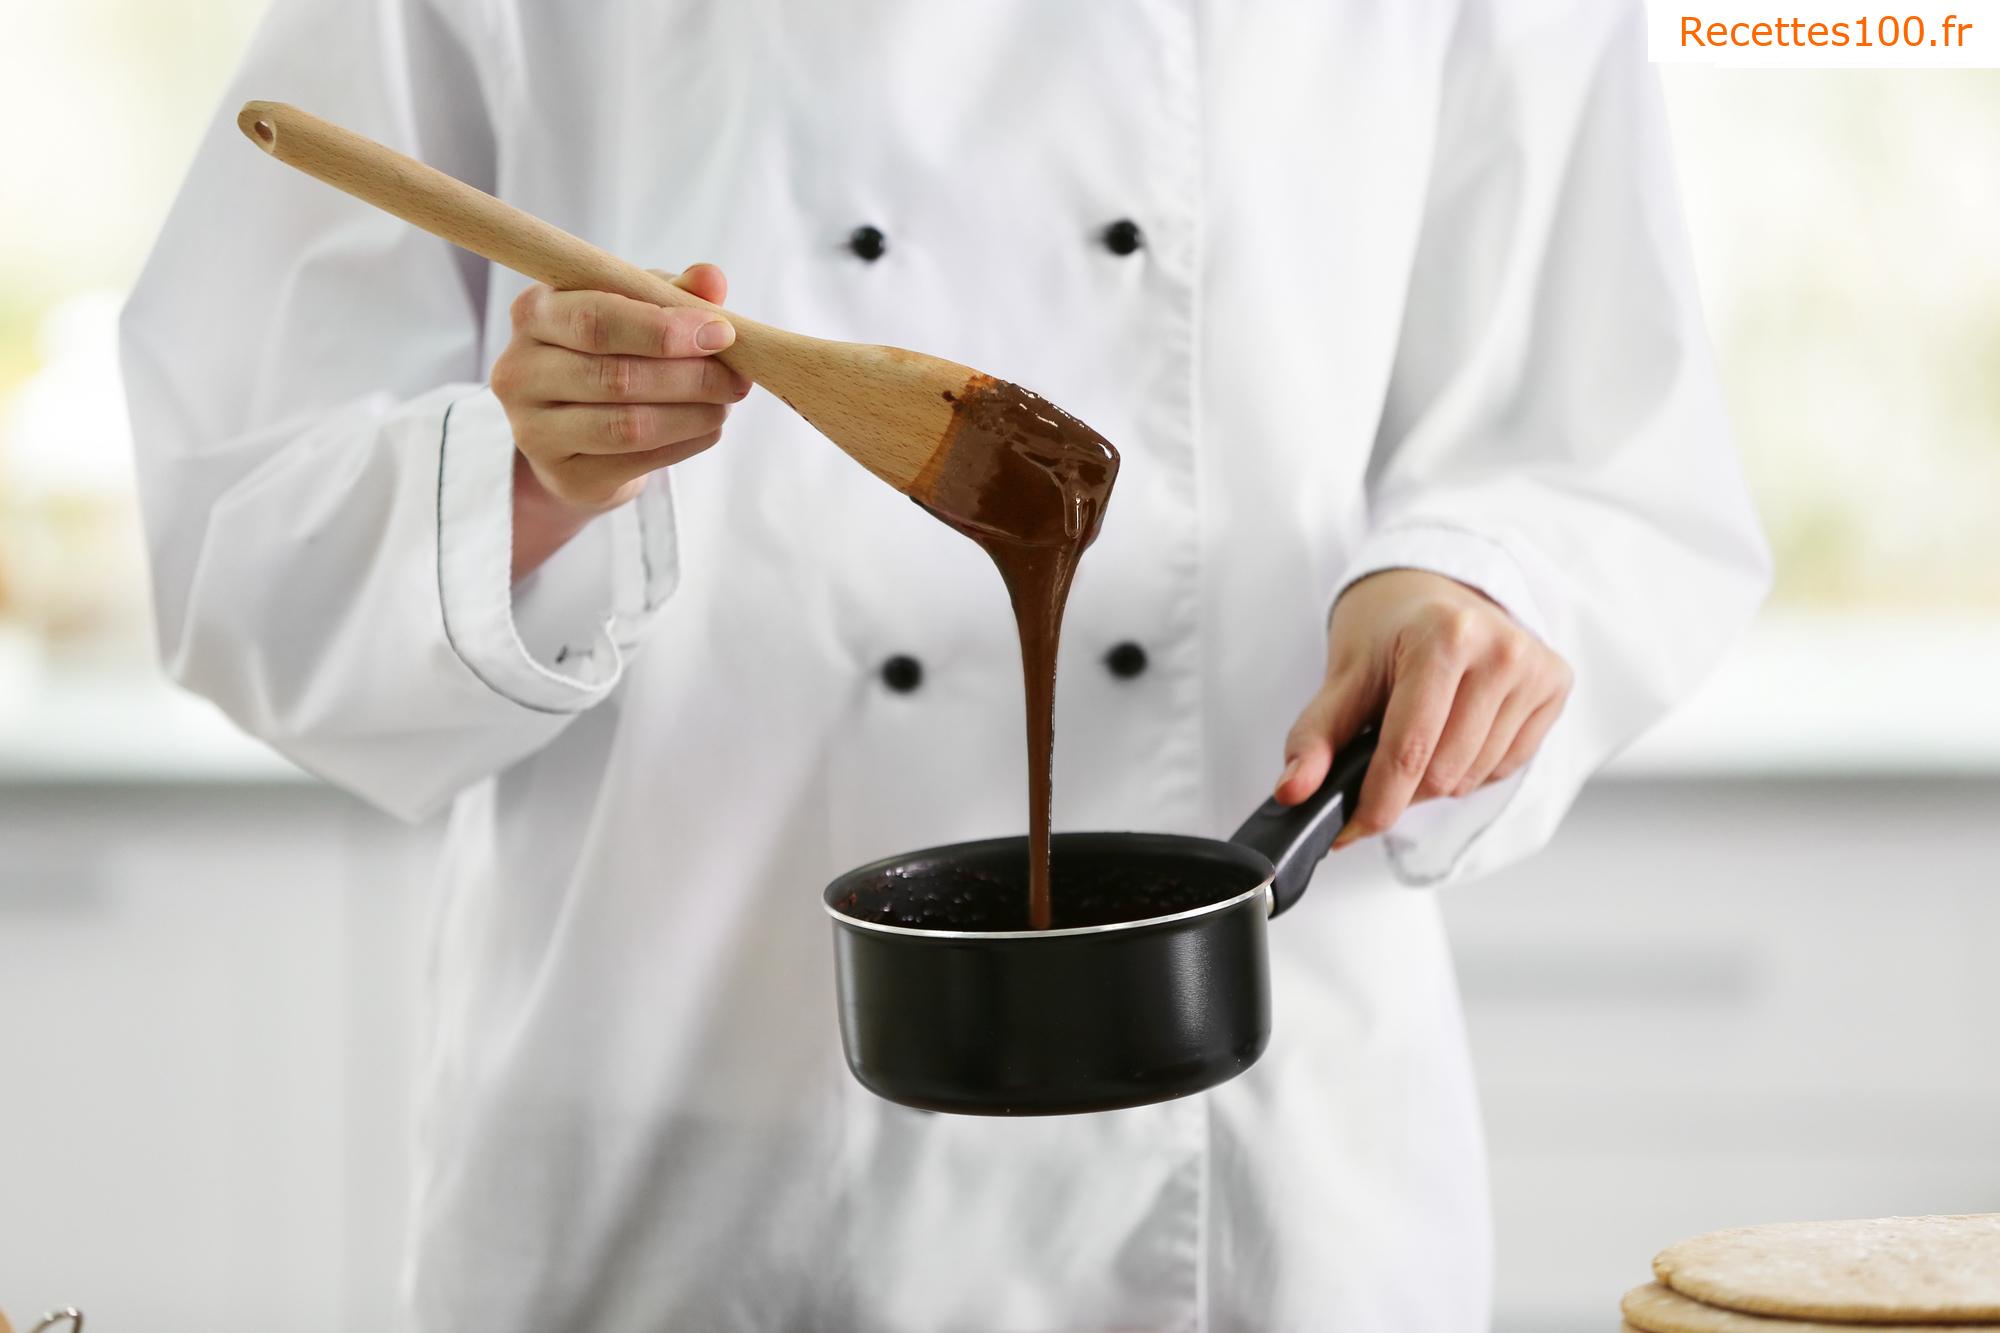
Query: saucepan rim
[[1211, 848]]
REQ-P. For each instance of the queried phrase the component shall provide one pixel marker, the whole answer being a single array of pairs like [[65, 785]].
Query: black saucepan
[[1152, 982]]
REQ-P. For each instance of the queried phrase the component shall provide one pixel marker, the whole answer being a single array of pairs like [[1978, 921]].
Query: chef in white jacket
[[1382, 297]]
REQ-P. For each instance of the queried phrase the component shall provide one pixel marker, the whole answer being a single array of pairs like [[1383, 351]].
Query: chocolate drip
[[1028, 482]]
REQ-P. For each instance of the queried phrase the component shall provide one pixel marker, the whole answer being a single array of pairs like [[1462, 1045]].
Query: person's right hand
[[600, 391]]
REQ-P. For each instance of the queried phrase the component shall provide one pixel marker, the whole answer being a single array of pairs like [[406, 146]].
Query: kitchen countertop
[[127, 728], [1848, 696], [1805, 697]]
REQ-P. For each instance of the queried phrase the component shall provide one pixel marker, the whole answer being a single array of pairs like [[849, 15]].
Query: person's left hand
[[1464, 696]]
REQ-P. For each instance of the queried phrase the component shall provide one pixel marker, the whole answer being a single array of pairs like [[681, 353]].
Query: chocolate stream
[[1029, 483]]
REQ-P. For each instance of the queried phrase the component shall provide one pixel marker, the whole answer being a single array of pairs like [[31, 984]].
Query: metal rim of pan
[[1222, 904]]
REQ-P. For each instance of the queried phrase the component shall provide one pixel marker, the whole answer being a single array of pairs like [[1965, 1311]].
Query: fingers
[[1465, 696], [602, 479], [1533, 732], [548, 374], [1328, 722], [1308, 751], [1481, 692], [1419, 707], [596, 482], [601, 389], [605, 324], [1523, 721], [566, 430], [1516, 709]]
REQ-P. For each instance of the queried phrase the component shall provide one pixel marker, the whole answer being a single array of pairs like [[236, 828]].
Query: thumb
[[705, 281], [1328, 721]]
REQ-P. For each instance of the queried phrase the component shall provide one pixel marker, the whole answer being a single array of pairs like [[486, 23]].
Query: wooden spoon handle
[[474, 220]]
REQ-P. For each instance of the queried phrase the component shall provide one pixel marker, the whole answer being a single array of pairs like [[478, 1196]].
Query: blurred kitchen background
[[1783, 1008]]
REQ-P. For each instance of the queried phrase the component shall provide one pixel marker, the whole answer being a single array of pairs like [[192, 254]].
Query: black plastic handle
[[1296, 838]]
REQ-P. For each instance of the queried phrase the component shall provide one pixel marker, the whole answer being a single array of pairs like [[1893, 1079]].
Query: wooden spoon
[[895, 412]]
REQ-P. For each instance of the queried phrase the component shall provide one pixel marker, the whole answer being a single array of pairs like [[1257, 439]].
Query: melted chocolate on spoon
[[1029, 482]]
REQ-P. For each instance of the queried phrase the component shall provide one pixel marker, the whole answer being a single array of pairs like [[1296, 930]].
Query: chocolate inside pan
[[1098, 880]]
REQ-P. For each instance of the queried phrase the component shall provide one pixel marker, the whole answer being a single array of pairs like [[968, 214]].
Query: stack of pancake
[[1884, 1275]]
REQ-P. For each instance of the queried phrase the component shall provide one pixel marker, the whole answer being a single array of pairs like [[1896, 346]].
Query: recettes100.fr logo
[[1816, 34]]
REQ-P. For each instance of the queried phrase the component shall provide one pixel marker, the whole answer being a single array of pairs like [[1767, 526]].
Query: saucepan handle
[[1296, 837]]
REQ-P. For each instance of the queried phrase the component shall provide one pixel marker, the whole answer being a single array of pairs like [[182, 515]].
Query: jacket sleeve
[[1554, 433], [326, 482]]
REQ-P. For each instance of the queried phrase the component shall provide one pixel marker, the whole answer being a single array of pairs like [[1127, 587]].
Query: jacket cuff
[[1468, 557], [556, 642], [1431, 841]]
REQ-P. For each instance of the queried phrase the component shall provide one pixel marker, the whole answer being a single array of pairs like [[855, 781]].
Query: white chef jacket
[[1410, 291]]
